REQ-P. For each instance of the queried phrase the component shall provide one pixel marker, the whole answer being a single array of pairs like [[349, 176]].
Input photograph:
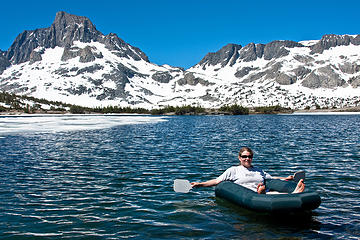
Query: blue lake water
[[110, 177]]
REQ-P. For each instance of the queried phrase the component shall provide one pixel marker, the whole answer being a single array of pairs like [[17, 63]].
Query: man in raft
[[247, 175]]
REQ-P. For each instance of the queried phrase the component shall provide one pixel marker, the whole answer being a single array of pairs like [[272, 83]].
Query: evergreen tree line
[[183, 110], [271, 109], [235, 109], [15, 102]]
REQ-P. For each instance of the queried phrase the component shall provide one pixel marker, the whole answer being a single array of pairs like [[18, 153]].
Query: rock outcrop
[[162, 77], [324, 77], [4, 62], [332, 40], [190, 79]]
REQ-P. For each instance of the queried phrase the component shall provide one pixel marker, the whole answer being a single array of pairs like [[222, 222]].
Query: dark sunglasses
[[246, 156]]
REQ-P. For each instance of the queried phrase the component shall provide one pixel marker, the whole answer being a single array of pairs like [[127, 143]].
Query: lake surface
[[110, 177]]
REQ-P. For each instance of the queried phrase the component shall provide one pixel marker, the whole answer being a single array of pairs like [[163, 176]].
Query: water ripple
[[116, 181]]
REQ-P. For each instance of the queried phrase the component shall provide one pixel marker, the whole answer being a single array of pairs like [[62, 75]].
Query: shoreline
[[339, 111], [325, 113], [209, 112], [19, 113]]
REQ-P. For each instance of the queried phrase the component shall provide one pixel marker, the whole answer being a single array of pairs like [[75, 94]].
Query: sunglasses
[[246, 156]]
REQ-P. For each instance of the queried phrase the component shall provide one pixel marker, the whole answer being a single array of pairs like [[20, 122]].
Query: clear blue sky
[[182, 32]]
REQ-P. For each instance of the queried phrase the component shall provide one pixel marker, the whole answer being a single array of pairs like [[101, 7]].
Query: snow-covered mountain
[[71, 61]]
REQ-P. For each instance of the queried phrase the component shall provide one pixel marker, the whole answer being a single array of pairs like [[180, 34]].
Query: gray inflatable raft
[[285, 202]]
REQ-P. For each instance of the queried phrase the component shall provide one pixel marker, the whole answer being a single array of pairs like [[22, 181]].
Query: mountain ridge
[[71, 61]]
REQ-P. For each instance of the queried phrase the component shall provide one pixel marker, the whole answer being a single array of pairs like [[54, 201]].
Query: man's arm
[[209, 183], [285, 178]]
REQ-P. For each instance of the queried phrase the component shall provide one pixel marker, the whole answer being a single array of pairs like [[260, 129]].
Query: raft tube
[[287, 202]]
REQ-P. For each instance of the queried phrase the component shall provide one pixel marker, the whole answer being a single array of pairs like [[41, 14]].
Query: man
[[247, 175]]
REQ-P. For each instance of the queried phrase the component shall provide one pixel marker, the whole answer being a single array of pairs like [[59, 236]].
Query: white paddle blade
[[182, 186], [299, 175]]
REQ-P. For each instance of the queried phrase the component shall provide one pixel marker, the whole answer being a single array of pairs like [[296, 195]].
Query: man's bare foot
[[261, 189], [300, 187]]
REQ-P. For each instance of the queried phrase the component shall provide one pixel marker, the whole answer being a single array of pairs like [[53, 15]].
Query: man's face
[[245, 159]]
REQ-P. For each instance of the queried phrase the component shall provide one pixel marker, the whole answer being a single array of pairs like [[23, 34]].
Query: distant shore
[[349, 110], [327, 111]]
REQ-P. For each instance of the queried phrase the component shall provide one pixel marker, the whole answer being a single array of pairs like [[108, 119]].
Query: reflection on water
[[115, 180]]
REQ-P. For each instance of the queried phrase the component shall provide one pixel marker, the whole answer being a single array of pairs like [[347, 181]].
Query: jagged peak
[[65, 19], [223, 56], [231, 46], [68, 28], [113, 42]]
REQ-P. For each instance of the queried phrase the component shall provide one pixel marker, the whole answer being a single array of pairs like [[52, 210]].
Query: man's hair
[[243, 149]]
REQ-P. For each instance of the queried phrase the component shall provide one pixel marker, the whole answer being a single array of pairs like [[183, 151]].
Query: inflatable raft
[[244, 197]]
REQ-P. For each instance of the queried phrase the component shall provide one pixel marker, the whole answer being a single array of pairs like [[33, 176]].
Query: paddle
[[182, 186], [299, 175]]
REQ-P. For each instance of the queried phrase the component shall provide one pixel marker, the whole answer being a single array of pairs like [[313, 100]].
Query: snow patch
[[309, 43], [60, 123]]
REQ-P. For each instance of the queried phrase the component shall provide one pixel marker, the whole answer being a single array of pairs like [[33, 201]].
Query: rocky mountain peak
[[68, 28], [65, 19], [123, 49], [227, 54], [65, 29]]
